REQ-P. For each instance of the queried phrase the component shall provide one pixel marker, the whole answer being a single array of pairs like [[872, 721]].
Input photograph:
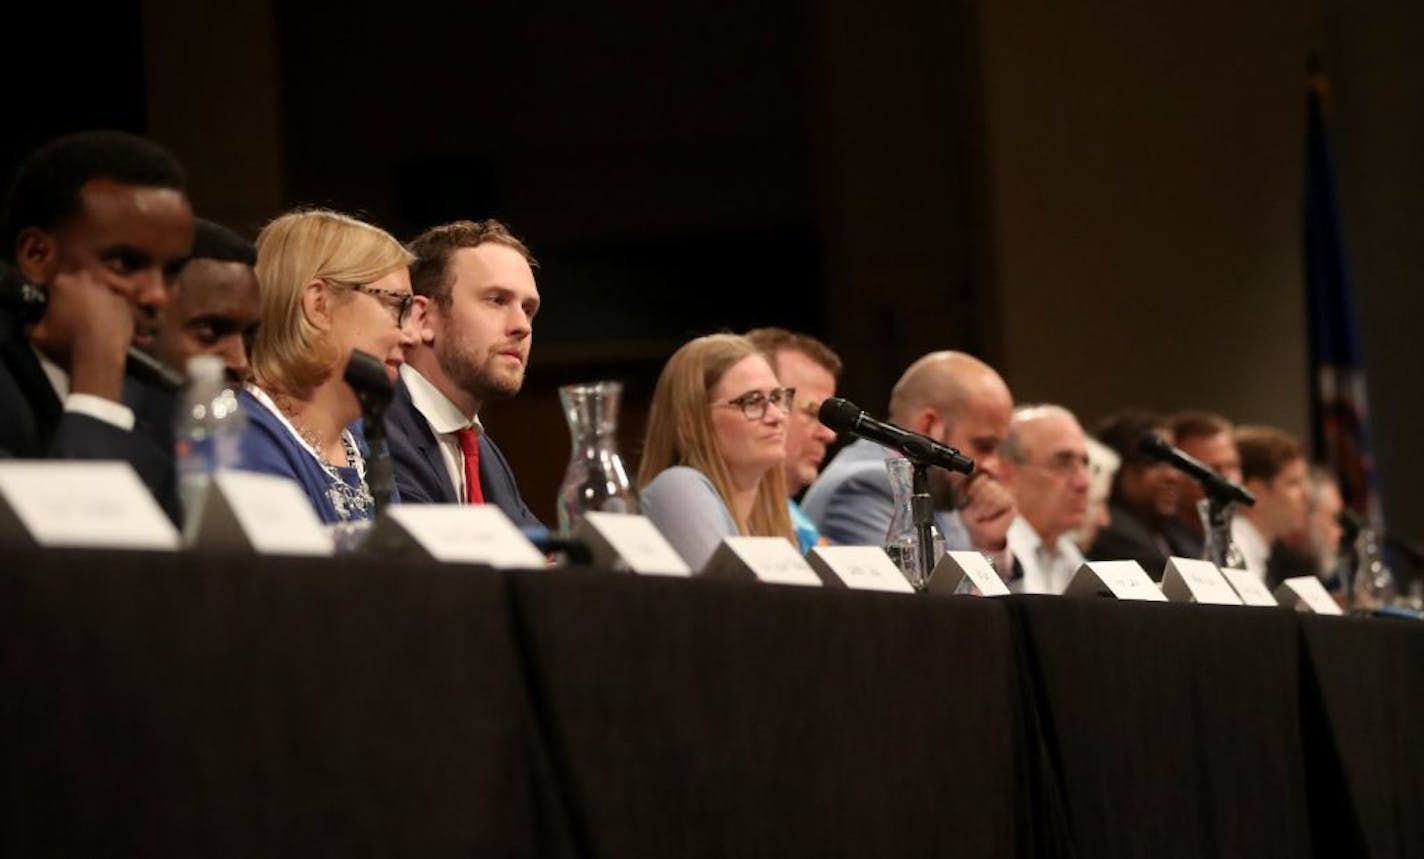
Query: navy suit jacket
[[36, 426], [421, 477]]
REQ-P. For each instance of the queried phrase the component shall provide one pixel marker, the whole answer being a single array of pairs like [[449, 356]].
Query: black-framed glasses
[[753, 404], [400, 302]]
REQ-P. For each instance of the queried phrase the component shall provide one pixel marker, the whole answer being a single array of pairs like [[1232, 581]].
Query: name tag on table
[[1188, 580], [861, 568], [628, 541], [1306, 593], [248, 512], [89, 504], [1249, 587], [453, 533], [1122, 580], [772, 560], [966, 573]]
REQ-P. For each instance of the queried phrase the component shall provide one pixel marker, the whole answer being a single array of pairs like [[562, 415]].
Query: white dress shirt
[[445, 419], [108, 411], [1046, 568], [1252, 545]]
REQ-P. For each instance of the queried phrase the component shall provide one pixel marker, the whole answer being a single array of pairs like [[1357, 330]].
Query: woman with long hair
[[711, 465], [329, 284]]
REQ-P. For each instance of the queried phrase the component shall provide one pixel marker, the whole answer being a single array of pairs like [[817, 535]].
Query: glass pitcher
[[595, 479], [902, 541]]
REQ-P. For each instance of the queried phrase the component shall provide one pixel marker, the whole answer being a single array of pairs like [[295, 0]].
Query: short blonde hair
[[289, 354], [680, 431]]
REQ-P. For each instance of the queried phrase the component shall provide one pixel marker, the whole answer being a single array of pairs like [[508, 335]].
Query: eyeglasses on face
[[400, 302], [1066, 463], [753, 404]]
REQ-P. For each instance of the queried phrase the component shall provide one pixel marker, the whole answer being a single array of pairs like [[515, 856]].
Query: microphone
[[844, 416], [27, 303], [1212, 483], [366, 374]]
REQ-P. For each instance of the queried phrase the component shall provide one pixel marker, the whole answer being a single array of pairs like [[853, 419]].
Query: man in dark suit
[[473, 320], [98, 223], [1143, 503]]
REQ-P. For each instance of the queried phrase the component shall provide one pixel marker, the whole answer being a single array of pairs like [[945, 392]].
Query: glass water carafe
[[902, 541], [595, 479]]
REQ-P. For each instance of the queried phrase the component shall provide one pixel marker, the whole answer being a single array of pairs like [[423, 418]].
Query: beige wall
[[1145, 171]]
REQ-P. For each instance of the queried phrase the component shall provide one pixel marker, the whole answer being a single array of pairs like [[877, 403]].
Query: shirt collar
[[443, 416], [58, 378], [1255, 551]]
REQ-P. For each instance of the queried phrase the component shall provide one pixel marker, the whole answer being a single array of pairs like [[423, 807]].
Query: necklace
[[348, 500]]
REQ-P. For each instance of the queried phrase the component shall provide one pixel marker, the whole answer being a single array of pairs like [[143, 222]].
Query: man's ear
[[37, 255], [926, 422], [422, 323], [316, 304]]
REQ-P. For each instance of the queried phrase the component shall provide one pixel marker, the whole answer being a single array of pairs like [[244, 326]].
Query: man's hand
[[987, 513], [87, 327]]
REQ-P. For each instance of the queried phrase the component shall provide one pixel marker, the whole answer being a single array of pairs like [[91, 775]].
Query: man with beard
[[473, 322], [959, 401]]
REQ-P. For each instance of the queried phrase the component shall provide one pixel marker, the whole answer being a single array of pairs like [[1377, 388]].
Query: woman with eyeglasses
[[712, 456], [329, 284]]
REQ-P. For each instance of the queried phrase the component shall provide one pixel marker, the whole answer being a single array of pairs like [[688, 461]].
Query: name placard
[[87, 504], [966, 572], [1189, 580], [1249, 587], [861, 568], [453, 533], [249, 512], [628, 541], [1306, 593], [1124, 580], [772, 560]]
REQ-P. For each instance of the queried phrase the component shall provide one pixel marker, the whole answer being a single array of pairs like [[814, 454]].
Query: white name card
[[630, 542], [861, 568], [966, 573], [1249, 587], [1124, 580], [249, 512], [1306, 593], [88, 504], [772, 560], [1189, 580], [454, 533]]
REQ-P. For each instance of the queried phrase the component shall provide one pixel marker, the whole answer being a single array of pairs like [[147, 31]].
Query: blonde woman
[[329, 284], [716, 439]]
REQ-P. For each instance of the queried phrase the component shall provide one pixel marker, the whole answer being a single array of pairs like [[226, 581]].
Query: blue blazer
[[420, 472], [36, 426]]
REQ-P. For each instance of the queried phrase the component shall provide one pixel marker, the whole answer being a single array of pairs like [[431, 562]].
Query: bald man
[[1044, 463], [957, 400]]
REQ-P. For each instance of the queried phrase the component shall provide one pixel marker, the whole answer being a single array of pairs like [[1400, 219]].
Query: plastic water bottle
[[209, 428]]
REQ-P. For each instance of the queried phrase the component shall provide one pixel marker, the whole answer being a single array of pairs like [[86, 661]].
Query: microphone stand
[[922, 512], [1217, 510], [367, 377]]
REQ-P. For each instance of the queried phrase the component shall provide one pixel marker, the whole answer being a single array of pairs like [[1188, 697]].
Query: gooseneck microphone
[[844, 416], [366, 374], [1212, 483]]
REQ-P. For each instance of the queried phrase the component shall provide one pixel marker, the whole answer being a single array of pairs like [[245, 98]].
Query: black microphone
[[27, 304], [366, 374], [843, 416], [1212, 483]]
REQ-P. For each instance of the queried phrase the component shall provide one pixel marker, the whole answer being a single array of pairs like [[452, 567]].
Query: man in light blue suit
[[474, 322], [957, 400]]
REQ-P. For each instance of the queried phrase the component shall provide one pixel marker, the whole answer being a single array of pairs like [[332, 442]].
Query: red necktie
[[470, 446]]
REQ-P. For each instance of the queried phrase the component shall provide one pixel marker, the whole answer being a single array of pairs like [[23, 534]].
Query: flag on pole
[[1339, 412]]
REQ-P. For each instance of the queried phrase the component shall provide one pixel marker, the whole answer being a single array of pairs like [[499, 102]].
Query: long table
[[164, 704]]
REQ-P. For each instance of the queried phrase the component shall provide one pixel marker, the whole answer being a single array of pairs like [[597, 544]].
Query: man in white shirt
[[1274, 469], [474, 323], [97, 225], [1044, 463]]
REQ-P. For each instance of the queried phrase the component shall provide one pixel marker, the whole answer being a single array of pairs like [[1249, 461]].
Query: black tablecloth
[[199, 705]]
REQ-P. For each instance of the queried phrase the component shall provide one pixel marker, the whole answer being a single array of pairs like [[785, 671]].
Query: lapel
[[418, 430], [29, 377]]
